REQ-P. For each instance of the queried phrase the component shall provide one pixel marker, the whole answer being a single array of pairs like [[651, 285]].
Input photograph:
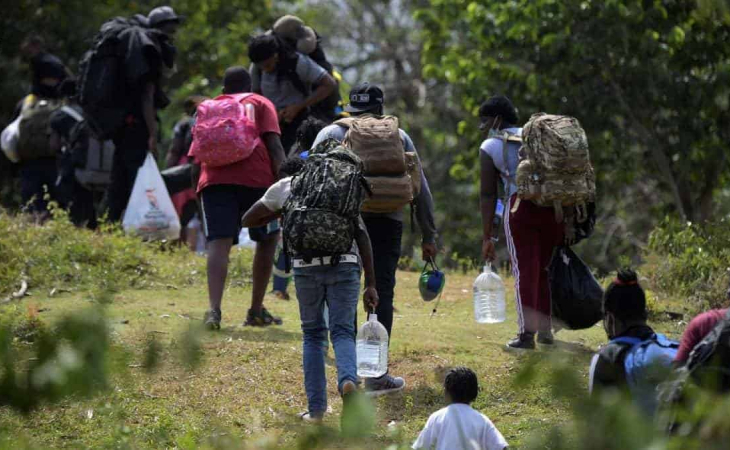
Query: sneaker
[[387, 384], [262, 319], [306, 417], [281, 295], [545, 338], [524, 341], [212, 319]]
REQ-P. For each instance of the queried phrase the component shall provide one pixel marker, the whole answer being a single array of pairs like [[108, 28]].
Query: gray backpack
[[93, 158], [321, 214]]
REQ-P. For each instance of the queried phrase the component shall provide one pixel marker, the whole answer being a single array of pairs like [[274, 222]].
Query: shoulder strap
[[73, 113], [345, 122]]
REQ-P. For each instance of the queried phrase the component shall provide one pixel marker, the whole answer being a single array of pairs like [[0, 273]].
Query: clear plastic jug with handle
[[372, 349], [489, 293]]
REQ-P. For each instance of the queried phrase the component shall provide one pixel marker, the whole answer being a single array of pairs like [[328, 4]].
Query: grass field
[[248, 389]]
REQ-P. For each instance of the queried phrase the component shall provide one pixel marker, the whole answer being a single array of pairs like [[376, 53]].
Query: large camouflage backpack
[[34, 132], [321, 214], [393, 174], [555, 168]]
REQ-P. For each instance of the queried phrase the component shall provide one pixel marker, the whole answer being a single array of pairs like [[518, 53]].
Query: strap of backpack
[[73, 113], [511, 180]]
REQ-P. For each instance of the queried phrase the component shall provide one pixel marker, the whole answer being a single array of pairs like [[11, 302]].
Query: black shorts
[[223, 206]]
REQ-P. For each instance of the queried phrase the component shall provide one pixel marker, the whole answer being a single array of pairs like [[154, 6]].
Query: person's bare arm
[[326, 86], [258, 216], [370, 296], [488, 201], [276, 151], [150, 118]]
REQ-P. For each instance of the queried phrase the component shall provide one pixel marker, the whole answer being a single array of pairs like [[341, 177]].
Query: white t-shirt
[[493, 148], [459, 427], [276, 195]]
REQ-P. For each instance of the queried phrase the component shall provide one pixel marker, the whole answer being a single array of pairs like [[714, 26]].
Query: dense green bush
[[691, 261]]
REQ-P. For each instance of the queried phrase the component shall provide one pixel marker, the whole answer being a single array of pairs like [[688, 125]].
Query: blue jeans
[[339, 288]]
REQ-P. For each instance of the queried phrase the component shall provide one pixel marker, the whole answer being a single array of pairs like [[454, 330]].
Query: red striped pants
[[532, 235]]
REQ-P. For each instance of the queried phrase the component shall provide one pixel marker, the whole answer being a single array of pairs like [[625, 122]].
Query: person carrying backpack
[[547, 176], [328, 242], [394, 173], [120, 91], [38, 171], [71, 140], [287, 79], [697, 329], [236, 141], [636, 357]]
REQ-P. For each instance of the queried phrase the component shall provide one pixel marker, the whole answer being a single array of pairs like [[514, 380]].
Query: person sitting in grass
[[459, 426], [624, 316]]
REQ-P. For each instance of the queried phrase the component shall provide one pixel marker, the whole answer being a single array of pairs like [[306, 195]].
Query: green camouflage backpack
[[34, 128], [321, 214], [555, 168]]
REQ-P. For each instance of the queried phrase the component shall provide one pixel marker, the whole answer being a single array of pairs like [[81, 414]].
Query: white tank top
[[493, 148]]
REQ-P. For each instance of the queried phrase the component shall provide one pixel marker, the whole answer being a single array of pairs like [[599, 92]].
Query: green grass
[[248, 389]]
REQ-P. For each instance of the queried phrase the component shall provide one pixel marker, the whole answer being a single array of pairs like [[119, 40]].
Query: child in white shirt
[[459, 426]]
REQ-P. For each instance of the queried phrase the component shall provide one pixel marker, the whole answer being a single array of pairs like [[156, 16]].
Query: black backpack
[[104, 84], [321, 214]]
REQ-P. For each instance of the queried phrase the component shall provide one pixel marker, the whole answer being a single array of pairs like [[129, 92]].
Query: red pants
[[532, 235]]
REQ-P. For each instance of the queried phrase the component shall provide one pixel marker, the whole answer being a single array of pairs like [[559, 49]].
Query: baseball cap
[[364, 97], [163, 14]]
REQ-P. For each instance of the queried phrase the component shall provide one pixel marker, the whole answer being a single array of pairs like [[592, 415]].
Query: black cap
[[236, 80], [163, 14], [364, 97]]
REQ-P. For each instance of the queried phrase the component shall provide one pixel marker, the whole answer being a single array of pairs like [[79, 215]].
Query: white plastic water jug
[[489, 292], [372, 349]]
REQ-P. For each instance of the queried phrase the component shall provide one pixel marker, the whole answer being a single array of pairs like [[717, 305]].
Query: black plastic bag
[[178, 178], [576, 295]]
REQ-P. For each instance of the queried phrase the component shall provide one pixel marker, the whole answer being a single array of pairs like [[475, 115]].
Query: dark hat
[[163, 14], [293, 28], [364, 97]]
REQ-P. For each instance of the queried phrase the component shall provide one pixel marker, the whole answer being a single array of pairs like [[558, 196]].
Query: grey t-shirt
[[424, 202], [280, 89]]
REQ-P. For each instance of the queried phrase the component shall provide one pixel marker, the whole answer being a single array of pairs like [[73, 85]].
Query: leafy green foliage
[[692, 261], [647, 80]]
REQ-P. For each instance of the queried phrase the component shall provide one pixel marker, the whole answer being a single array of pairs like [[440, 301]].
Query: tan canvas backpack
[[394, 175], [555, 168]]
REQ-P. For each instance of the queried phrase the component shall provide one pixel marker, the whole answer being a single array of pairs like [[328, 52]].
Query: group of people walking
[[330, 180]]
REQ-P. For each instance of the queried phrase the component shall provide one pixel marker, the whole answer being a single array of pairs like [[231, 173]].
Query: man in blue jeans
[[318, 283], [386, 230]]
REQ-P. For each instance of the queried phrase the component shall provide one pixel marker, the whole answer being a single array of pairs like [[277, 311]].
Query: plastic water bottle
[[489, 306], [372, 349], [250, 112]]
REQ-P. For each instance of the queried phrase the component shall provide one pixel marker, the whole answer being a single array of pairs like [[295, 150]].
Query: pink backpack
[[225, 131]]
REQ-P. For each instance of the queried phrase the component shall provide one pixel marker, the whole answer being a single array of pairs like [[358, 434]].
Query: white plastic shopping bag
[[150, 212], [9, 140]]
